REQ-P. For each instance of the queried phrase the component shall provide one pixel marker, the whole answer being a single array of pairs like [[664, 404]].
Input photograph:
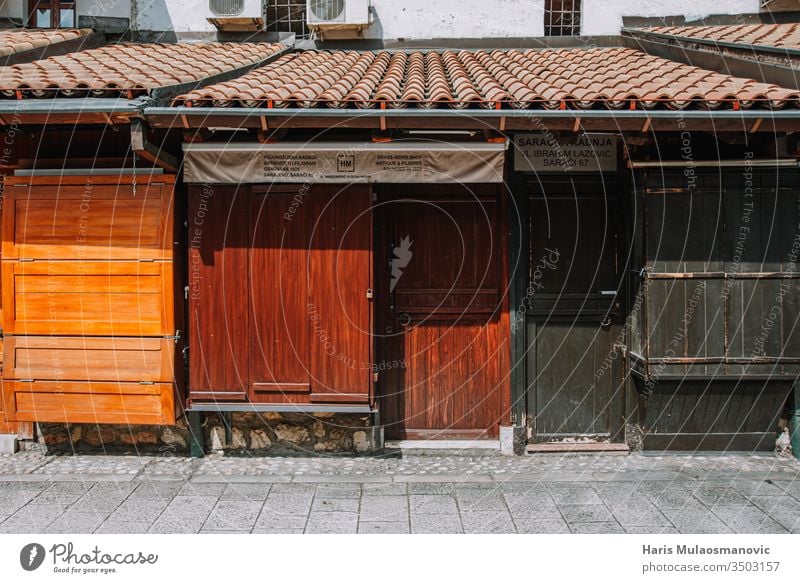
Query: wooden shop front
[[348, 277]]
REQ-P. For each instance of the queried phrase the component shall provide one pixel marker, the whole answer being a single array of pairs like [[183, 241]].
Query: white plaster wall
[[174, 15], [422, 19], [602, 17], [11, 8], [99, 8]]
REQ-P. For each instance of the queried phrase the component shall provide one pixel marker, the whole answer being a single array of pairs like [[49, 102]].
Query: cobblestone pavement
[[418, 494]]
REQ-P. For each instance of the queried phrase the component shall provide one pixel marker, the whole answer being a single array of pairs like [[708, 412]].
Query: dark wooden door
[[444, 350], [283, 309], [574, 312]]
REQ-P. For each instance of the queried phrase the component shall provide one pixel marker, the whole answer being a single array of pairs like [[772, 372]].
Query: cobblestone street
[[418, 494]]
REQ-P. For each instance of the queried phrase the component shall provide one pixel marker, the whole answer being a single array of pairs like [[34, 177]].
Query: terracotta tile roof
[[128, 69], [21, 40], [768, 35], [553, 78]]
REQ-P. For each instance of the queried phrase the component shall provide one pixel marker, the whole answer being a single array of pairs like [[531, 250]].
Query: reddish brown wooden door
[[284, 313], [444, 348]]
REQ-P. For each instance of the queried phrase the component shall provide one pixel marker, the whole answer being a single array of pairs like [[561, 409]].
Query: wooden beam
[[756, 125], [646, 125], [264, 125], [577, 125], [142, 147], [185, 121], [502, 124]]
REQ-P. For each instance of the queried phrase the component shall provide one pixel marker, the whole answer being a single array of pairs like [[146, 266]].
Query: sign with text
[[401, 162], [545, 152]]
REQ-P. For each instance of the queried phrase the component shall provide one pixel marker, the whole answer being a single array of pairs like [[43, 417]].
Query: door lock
[[370, 295]]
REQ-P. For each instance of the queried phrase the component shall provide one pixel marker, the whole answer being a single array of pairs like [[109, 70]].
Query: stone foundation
[[255, 433]]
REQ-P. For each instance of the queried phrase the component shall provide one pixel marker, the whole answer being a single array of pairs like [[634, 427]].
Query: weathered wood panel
[[90, 359], [278, 295], [89, 299], [94, 402], [444, 342], [86, 221], [113, 298]]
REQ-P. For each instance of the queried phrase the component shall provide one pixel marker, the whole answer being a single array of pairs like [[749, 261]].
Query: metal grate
[[226, 7], [287, 16], [562, 17]]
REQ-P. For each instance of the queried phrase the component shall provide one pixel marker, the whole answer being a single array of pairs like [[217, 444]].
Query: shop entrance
[[574, 310], [442, 329]]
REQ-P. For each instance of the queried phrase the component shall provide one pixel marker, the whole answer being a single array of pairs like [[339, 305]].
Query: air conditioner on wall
[[236, 15], [330, 15]]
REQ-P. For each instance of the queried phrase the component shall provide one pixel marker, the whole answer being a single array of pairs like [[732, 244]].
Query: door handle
[[404, 319]]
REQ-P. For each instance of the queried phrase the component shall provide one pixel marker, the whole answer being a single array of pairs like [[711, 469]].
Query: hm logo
[[402, 255], [345, 163]]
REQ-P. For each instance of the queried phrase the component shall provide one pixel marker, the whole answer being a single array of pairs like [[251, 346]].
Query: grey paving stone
[[432, 504], [35, 515], [480, 499], [341, 490], [76, 523], [780, 503], [585, 513], [279, 531], [139, 510], [694, 521], [151, 490], [487, 522], [22, 529], [10, 502], [178, 524], [206, 531], [246, 492], [748, 520], [565, 493], [191, 505], [530, 488], [788, 519], [387, 489], [532, 505], [202, 489], [596, 528], [22, 485], [651, 530], [293, 489], [640, 516], [384, 508], [271, 522], [675, 499], [756, 488], [233, 515], [289, 504], [332, 523], [436, 524], [430, 488], [719, 496], [335, 505], [624, 500], [383, 527], [123, 527], [541, 526]]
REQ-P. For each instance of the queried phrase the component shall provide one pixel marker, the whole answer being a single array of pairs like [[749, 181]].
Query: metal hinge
[[186, 292], [375, 377]]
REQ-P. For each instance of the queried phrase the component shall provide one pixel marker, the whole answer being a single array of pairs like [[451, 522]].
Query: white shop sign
[[344, 162], [565, 154]]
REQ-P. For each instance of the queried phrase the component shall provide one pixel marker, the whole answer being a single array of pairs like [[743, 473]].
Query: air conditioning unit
[[236, 15], [337, 14]]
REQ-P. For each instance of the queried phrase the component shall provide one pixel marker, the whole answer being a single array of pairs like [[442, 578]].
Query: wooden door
[[310, 282], [444, 346], [282, 312], [573, 312]]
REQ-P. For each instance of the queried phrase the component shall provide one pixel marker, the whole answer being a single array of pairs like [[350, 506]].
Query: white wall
[[175, 15], [423, 19], [99, 8], [601, 17]]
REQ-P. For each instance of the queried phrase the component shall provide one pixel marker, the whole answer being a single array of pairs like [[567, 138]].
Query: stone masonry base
[[264, 433]]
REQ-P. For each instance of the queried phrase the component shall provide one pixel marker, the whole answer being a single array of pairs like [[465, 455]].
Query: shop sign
[[544, 152]]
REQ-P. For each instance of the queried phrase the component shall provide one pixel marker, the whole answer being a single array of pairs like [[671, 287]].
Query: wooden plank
[[218, 289], [87, 298], [67, 402], [90, 359], [106, 221]]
